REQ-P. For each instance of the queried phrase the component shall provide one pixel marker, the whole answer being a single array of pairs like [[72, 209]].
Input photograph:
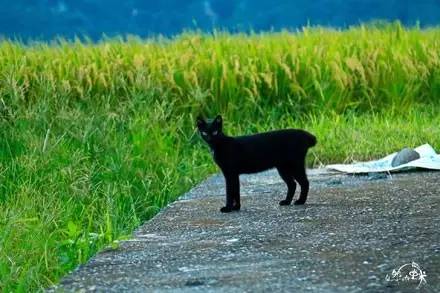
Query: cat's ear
[[200, 121], [218, 119]]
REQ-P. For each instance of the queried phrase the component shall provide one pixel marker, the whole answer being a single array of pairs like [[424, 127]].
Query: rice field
[[95, 138]]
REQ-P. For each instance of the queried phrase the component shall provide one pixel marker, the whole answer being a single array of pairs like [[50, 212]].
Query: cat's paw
[[285, 202], [236, 207], [226, 209], [299, 202]]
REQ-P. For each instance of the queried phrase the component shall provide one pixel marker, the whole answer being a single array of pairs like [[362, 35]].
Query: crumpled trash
[[423, 157]]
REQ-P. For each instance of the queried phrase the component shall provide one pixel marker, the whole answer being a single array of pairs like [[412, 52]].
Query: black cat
[[283, 149]]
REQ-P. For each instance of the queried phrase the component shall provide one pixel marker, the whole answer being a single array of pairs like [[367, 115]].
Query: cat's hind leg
[[287, 175], [301, 178]]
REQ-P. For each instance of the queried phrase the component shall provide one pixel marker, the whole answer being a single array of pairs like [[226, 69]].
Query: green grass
[[96, 138]]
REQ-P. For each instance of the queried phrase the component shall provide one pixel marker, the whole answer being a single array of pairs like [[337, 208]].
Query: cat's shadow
[[307, 206]]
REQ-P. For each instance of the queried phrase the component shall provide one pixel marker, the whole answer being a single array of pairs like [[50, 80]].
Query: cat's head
[[210, 129]]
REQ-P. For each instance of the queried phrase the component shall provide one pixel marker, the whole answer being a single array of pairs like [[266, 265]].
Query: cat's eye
[[214, 132], [204, 133]]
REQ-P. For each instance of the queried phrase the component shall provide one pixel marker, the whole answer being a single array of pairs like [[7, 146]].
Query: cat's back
[[284, 137]]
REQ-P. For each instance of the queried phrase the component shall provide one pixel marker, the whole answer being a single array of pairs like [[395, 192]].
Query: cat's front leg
[[232, 193]]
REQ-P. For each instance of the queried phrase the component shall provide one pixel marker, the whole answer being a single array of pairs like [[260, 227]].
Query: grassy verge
[[96, 138]]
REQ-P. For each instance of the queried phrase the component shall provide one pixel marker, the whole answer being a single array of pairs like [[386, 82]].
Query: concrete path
[[351, 234]]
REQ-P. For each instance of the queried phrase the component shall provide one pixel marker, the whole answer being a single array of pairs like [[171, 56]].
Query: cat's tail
[[311, 140]]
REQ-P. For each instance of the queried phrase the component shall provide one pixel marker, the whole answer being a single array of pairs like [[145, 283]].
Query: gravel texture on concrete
[[352, 232]]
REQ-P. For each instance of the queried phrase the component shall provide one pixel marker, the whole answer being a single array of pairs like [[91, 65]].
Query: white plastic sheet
[[429, 159]]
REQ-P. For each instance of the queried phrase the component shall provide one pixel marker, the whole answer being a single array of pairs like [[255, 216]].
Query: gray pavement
[[352, 232]]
